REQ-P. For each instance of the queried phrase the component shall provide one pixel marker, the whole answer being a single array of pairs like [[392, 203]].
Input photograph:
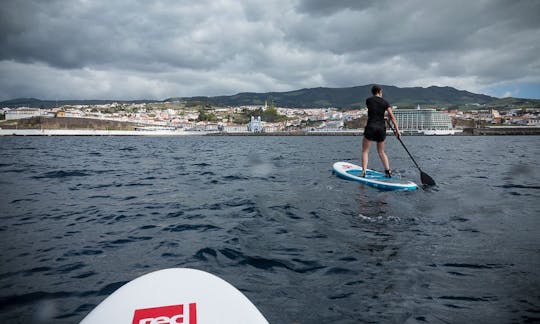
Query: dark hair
[[375, 89]]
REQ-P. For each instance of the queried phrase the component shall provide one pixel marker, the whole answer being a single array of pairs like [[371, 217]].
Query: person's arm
[[394, 121]]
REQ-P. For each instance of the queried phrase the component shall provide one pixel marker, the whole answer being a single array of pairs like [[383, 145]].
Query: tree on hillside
[[269, 115], [206, 116]]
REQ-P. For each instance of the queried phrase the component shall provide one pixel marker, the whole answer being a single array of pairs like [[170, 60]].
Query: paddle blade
[[426, 179]]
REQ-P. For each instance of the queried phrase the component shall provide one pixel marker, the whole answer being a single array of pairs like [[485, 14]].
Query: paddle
[[424, 177]]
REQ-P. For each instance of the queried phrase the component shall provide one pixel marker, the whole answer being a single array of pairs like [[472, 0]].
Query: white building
[[23, 112], [427, 121], [234, 129], [255, 125], [533, 122]]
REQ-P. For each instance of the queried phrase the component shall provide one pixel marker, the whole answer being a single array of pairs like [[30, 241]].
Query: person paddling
[[375, 130]]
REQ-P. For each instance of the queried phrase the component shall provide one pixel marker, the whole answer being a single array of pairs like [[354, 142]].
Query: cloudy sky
[[119, 49]]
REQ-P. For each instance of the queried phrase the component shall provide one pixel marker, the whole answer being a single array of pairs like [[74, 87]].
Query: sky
[[117, 49]]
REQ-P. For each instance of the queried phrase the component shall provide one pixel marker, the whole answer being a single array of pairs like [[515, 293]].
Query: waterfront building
[[424, 121], [255, 125], [73, 113], [21, 113], [234, 129]]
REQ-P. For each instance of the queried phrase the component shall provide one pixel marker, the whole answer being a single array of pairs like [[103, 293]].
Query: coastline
[[94, 132], [504, 130], [490, 131]]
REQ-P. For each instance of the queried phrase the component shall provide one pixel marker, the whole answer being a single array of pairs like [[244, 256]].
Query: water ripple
[[82, 216]]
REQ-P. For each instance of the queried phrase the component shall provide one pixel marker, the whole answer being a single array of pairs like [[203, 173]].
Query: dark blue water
[[80, 216]]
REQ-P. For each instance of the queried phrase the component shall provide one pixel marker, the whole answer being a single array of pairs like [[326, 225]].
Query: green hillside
[[352, 97], [345, 98]]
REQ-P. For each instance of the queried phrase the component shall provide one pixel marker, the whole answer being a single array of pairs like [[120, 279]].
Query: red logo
[[174, 314]]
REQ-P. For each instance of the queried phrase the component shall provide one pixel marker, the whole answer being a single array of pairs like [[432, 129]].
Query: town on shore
[[162, 118]]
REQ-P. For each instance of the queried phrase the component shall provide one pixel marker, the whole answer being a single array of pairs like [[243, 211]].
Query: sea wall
[[354, 133], [91, 132], [503, 130]]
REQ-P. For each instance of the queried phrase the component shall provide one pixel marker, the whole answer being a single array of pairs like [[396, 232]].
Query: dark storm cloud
[[156, 49], [73, 34], [398, 27], [324, 7], [478, 41]]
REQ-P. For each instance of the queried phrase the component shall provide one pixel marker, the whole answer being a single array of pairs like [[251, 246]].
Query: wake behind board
[[176, 295], [373, 178]]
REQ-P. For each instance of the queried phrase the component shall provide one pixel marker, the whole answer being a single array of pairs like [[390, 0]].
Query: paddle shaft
[[405, 147], [426, 179]]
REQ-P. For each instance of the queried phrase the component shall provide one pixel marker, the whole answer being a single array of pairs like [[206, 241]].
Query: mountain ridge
[[348, 97], [319, 97]]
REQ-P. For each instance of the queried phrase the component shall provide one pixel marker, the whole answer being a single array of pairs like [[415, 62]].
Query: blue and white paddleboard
[[373, 178], [176, 295]]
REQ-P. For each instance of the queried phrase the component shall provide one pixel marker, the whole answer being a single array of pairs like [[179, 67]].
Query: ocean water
[[81, 216]]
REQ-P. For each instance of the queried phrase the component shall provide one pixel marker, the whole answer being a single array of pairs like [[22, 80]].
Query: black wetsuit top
[[376, 128]]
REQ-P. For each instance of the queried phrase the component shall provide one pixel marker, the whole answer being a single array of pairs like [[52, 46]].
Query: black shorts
[[374, 133]]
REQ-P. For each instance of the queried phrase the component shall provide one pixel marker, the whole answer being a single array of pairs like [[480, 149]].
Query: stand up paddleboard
[[176, 295], [373, 178]]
